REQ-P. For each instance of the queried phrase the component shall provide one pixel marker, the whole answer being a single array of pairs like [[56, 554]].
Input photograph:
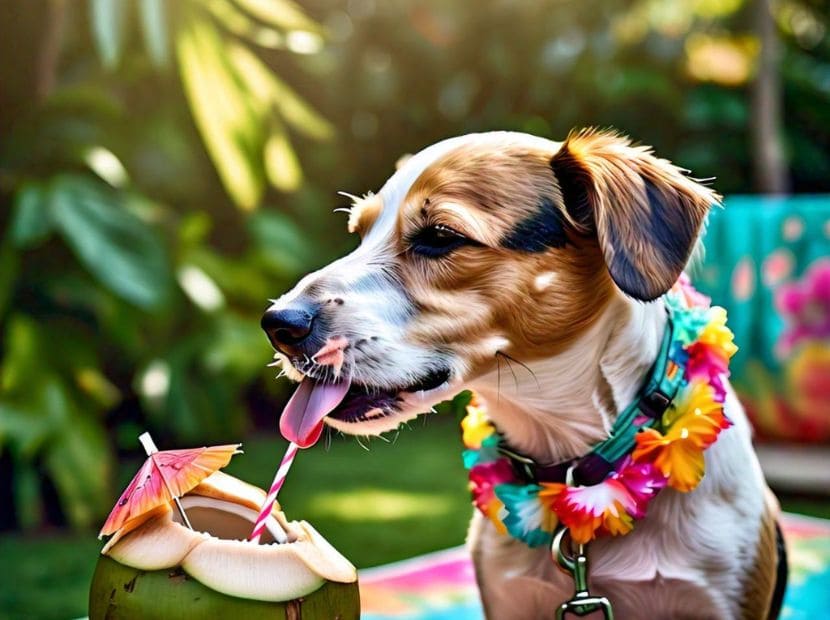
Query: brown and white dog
[[555, 254]]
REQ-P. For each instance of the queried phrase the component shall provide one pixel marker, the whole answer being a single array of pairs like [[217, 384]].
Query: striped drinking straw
[[279, 480]]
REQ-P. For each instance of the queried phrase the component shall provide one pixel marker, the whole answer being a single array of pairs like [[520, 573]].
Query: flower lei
[[667, 452]]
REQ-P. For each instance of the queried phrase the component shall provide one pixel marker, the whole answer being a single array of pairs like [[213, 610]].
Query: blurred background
[[166, 167]]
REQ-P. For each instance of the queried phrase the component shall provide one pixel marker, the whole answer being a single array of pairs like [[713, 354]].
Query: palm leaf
[[154, 30], [230, 127], [282, 14], [108, 20]]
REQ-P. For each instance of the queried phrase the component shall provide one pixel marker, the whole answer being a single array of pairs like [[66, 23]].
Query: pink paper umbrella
[[164, 477]]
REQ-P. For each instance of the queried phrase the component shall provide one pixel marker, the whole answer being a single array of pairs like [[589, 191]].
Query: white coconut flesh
[[216, 553]]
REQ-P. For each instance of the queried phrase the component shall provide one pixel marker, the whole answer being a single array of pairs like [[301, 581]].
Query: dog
[[555, 254]]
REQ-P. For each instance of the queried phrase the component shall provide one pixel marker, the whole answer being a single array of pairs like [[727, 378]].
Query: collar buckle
[[654, 404]]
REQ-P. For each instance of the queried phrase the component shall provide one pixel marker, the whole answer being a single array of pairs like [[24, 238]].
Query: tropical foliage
[[129, 296]]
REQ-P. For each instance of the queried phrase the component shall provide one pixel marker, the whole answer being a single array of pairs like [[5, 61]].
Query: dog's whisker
[[498, 378], [510, 368], [350, 196], [361, 444], [527, 368]]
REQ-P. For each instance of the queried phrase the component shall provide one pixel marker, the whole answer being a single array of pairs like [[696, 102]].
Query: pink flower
[[584, 510], [613, 504], [643, 481], [805, 306], [691, 296], [483, 480], [709, 364]]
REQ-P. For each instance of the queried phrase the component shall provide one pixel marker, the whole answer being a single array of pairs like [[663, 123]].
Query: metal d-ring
[[576, 565]]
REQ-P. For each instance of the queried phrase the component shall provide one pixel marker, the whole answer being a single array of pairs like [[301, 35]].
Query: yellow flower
[[717, 334], [680, 460], [696, 396], [476, 426], [693, 426]]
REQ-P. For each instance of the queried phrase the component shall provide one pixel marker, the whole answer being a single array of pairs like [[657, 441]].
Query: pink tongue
[[302, 418]]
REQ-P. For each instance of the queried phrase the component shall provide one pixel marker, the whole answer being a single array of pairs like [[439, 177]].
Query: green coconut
[[155, 567]]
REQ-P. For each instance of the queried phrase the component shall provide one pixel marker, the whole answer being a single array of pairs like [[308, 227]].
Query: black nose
[[289, 326]]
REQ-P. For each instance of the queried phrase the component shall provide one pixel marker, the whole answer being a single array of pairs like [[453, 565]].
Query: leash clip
[[576, 565]]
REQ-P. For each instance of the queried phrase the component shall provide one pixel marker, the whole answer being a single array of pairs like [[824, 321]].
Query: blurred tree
[[676, 74], [243, 111], [769, 161]]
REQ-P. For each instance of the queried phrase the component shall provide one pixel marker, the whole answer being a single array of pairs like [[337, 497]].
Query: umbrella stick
[[150, 448], [182, 512]]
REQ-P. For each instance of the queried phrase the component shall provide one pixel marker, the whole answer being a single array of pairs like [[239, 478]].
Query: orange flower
[[617, 520], [693, 425], [492, 509], [585, 529], [550, 491]]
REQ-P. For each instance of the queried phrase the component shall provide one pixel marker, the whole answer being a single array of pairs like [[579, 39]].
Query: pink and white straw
[[268, 505]]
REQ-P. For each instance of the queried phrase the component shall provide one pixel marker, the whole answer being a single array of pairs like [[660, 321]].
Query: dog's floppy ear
[[646, 213]]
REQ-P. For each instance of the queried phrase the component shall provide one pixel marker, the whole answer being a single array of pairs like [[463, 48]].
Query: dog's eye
[[438, 240]]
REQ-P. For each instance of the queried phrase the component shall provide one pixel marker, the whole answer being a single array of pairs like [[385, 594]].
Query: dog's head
[[480, 245]]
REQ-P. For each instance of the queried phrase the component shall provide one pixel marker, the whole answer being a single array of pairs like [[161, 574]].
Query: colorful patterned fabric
[[768, 261], [441, 586], [667, 450]]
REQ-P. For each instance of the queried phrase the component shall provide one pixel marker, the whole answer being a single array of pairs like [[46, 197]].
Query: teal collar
[[657, 393]]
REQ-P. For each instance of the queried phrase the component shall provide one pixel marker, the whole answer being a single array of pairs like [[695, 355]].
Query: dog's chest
[[525, 583], [687, 559]]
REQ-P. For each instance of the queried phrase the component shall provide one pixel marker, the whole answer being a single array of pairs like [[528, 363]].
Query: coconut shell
[[123, 593], [229, 565]]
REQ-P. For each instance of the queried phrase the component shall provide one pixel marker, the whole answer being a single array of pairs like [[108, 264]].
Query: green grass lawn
[[379, 505]]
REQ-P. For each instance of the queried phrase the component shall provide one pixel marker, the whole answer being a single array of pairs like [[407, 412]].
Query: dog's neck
[[556, 409]]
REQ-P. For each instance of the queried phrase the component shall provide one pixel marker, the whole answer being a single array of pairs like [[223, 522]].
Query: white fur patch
[[543, 280]]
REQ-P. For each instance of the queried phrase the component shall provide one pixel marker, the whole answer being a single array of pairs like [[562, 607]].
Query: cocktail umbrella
[[166, 476]]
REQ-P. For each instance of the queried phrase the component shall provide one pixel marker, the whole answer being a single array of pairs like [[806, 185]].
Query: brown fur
[[646, 213], [363, 213], [760, 582], [473, 294], [484, 192]]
